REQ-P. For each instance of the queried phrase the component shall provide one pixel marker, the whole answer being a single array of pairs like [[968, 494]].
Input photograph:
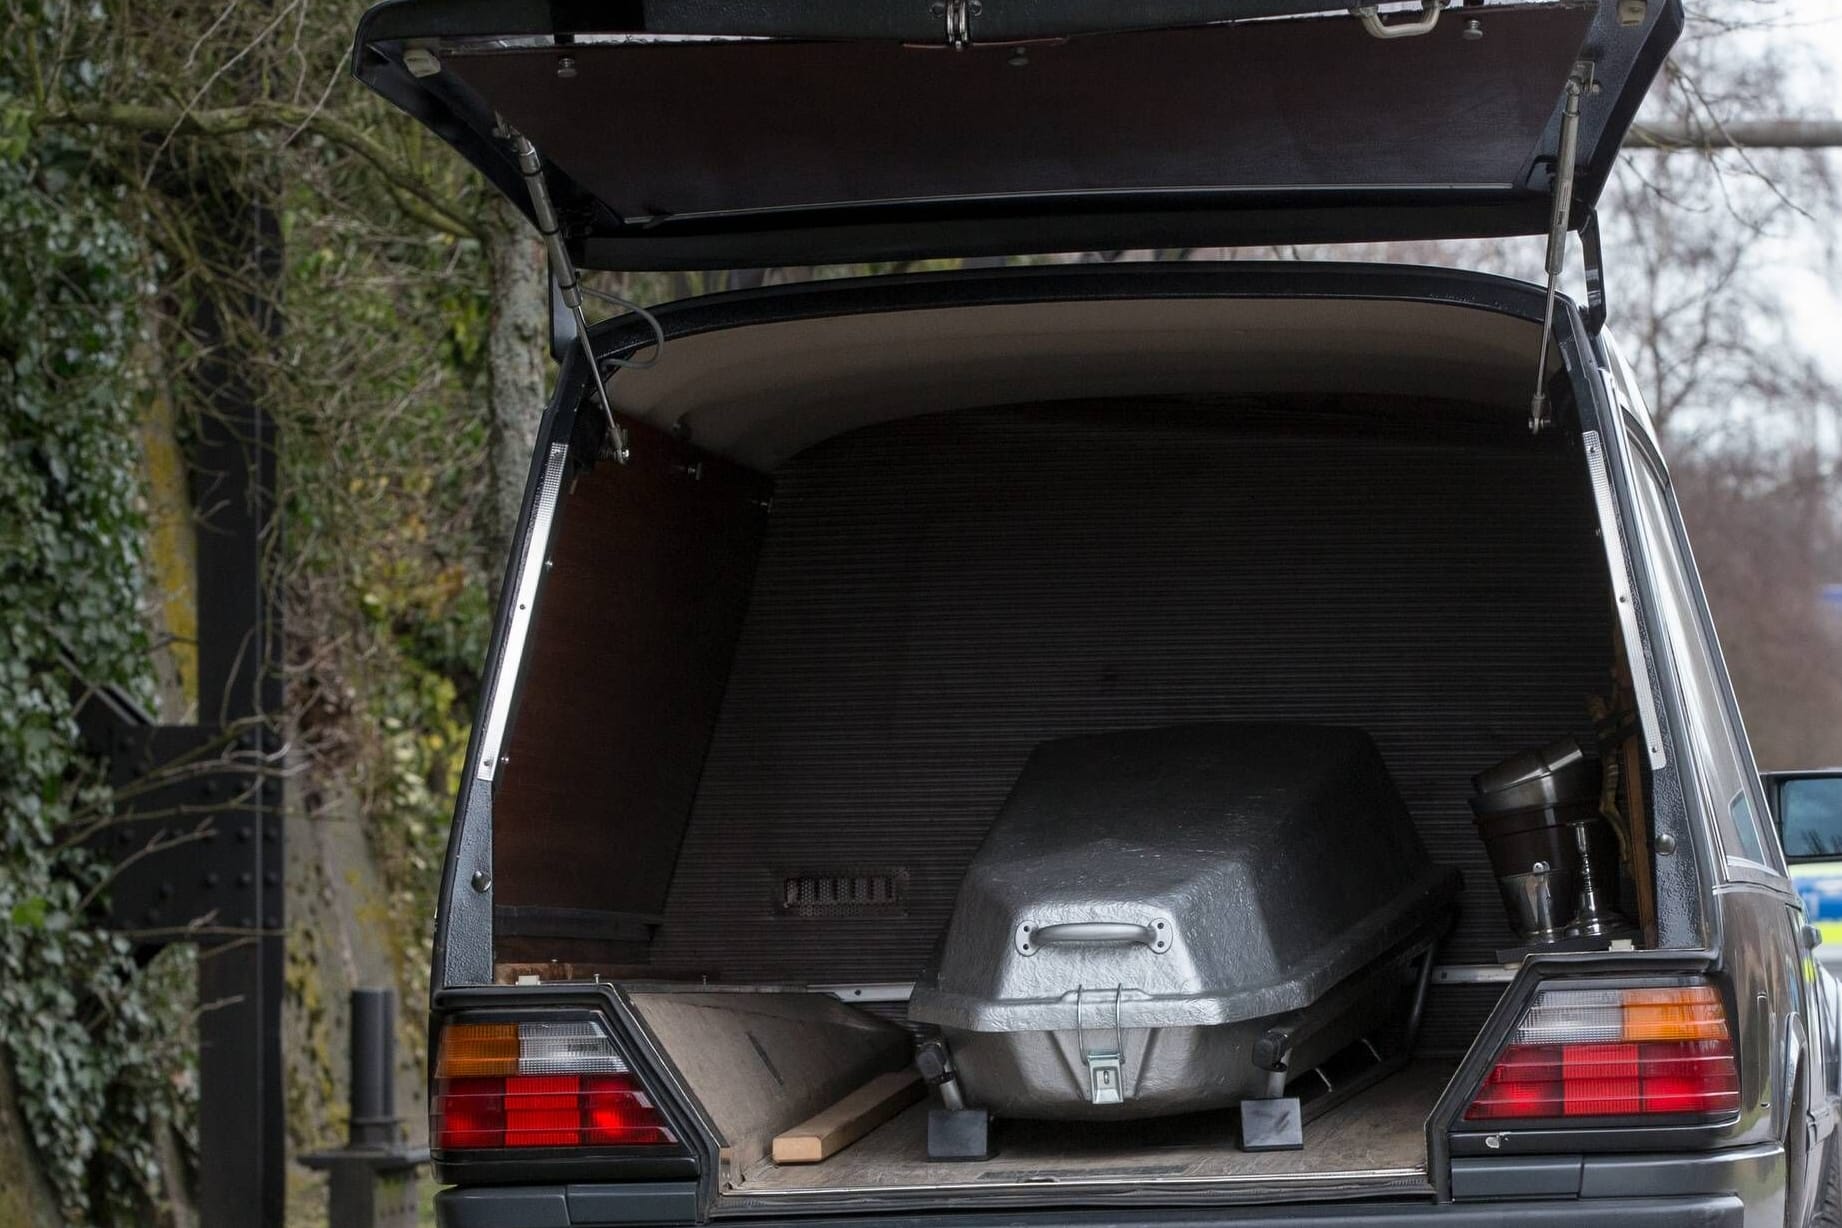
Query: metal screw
[[1474, 30], [482, 881], [1666, 844], [1021, 59], [566, 67]]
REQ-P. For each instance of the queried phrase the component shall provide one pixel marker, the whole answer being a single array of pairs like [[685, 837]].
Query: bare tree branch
[[415, 197], [1738, 134]]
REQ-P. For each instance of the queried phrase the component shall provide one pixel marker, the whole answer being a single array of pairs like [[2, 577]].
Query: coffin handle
[[1156, 935]]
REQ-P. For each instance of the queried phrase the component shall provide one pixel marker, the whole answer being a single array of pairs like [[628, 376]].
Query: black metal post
[[374, 1088], [373, 1177], [242, 1137]]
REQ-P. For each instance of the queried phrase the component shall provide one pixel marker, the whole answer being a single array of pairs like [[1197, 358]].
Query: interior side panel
[[936, 596], [631, 645]]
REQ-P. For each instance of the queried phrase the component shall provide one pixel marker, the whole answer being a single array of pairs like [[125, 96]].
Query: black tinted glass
[[1812, 816]]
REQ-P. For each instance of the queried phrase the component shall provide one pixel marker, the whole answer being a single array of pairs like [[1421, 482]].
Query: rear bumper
[[549, 1207], [1741, 1188]]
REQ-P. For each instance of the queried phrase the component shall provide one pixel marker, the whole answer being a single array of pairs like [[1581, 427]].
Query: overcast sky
[[1811, 30]]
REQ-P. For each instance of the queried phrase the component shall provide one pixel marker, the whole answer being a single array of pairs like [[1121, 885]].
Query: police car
[[1806, 805]]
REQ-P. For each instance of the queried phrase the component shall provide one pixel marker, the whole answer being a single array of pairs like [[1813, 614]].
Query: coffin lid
[[1263, 865], [717, 133]]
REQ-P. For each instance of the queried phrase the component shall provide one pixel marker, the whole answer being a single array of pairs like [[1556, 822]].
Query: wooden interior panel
[[760, 1063], [628, 654]]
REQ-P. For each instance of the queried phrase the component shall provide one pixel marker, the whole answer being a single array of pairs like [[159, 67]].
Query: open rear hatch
[[718, 133], [697, 133]]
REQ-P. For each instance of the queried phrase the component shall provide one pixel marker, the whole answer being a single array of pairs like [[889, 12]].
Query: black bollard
[[373, 1177], [374, 1088]]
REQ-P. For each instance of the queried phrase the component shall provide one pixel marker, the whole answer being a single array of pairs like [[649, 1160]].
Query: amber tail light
[[559, 1083], [1584, 1053]]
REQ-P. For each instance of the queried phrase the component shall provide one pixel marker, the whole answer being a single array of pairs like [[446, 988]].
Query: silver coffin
[[1149, 904]]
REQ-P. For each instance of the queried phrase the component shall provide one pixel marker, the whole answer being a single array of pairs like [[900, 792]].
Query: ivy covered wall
[[94, 1042]]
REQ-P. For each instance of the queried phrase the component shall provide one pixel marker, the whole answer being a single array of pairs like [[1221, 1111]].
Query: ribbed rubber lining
[[938, 595]]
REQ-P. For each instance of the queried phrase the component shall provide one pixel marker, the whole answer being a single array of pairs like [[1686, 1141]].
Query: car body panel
[[676, 139], [1747, 931]]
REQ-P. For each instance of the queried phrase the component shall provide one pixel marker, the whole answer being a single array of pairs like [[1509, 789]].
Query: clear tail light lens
[[1614, 1053], [561, 1083]]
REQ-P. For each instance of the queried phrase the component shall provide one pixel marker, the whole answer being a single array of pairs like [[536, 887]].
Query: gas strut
[[1539, 417], [563, 271]]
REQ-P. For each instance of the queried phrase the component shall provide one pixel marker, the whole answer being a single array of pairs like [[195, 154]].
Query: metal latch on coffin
[[1103, 1076], [1104, 1063]]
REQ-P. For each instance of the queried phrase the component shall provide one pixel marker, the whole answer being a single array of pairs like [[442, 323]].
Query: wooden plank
[[759, 1063], [836, 1128]]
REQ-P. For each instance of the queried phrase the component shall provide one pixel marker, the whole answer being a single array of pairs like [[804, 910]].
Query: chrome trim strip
[[1333, 1180], [530, 571], [1618, 564], [1066, 195], [870, 991], [1475, 974]]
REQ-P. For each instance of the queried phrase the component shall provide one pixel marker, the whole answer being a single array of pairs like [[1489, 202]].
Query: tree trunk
[[517, 358], [25, 1199]]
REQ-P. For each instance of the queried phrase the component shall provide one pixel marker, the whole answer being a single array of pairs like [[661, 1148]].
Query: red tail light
[[1615, 1053], [555, 1084]]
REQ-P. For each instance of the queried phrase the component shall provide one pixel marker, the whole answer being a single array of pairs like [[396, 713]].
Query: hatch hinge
[[563, 276], [1579, 82], [958, 15], [1595, 273]]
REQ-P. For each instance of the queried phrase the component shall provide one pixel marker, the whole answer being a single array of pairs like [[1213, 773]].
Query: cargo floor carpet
[[1377, 1137]]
